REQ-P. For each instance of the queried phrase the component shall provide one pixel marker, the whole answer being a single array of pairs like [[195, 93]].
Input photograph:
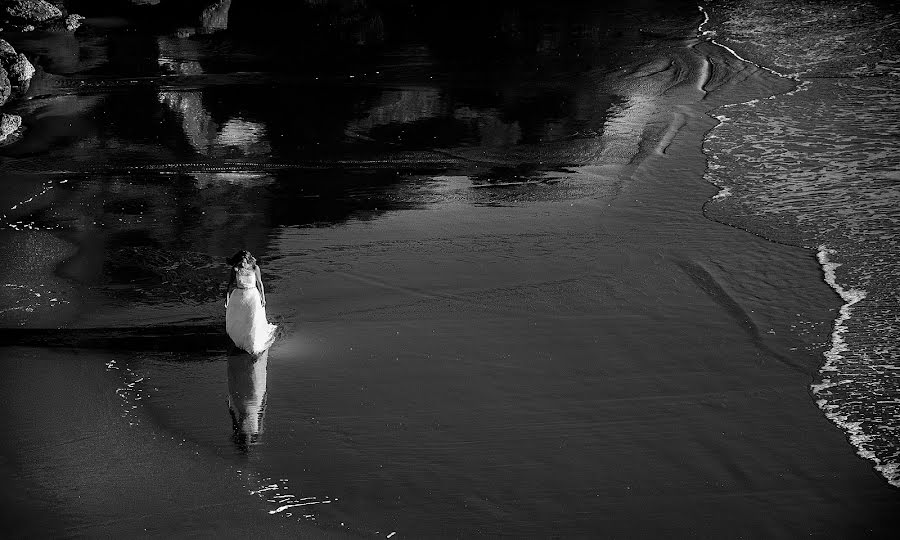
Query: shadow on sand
[[209, 338]]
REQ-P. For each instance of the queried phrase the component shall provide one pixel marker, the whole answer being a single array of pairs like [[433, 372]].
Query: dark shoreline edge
[[819, 253], [722, 43]]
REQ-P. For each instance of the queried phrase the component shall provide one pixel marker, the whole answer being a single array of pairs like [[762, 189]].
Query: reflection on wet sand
[[232, 138], [401, 106], [247, 395], [198, 125], [199, 151], [214, 16], [178, 56]]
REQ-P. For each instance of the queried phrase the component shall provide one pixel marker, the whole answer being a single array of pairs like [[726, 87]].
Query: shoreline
[[856, 437], [684, 442], [849, 294]]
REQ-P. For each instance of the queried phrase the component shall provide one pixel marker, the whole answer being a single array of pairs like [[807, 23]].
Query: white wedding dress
[[245, 316]]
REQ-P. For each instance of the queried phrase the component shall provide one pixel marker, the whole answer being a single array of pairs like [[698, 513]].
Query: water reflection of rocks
[[215, 147], [235, 137]]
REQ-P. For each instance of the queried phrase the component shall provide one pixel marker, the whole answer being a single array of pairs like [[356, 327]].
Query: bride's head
[[242, 259]]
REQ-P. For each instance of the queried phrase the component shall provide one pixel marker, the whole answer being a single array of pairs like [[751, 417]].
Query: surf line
[[702, 32], [857, 436], [801, 84], [725, 191]]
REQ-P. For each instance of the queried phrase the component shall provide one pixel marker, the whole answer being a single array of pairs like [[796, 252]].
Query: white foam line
[[33, 197], [285, 507], [725, 192], [850, 297], [793, 77], [291, 498], [705, 19], [838, 346]]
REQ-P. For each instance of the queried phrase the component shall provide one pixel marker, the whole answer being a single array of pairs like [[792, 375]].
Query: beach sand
[[523, 362], [502, 339], [75, 465]]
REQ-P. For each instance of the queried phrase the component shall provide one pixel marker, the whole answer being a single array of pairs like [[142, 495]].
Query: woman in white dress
[[245, 306]]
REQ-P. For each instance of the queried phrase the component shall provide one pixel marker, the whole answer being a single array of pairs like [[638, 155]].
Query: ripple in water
[[821, 168]]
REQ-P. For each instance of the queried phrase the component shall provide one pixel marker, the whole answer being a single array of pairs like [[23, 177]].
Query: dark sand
[[698, 423]]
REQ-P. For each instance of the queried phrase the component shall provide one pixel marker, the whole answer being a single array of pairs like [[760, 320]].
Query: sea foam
[[817, 167], [830, 372]]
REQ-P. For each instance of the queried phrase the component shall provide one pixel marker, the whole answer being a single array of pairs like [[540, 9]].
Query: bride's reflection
[[247, 395]]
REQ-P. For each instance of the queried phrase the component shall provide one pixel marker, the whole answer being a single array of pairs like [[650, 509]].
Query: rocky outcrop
[[20, 71], [30, 11], [15, 73], [17, 67], [5, 86], [26, 15], [9, 123], [6, 48], [72, 22]]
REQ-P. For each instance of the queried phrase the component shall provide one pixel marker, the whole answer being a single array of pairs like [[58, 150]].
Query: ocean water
[[819, 166], [504, 311]]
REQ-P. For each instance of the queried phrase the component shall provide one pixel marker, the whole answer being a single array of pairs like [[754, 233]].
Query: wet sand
[[76, 465], [518, 363], [693, 413], [699, 424]]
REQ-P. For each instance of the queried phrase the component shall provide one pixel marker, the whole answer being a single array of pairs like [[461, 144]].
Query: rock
[[20, 71], [9, 123], [69, 23], [5, 86], [6, 50], [73, 21], [17, 68], [31, 11]]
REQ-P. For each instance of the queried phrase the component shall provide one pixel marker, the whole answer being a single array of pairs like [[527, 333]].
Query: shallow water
[[819, 168], [503, 310]]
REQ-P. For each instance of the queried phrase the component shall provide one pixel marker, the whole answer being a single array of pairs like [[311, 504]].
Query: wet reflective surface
[[247, 395], [480, 228]]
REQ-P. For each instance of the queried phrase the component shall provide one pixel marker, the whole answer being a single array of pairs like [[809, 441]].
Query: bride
[[245, 306]]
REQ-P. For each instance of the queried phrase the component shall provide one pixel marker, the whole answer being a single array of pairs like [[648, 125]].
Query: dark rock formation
[[17, 67], [26, 15], [6, 49], [5, 86], [15, 71], [9, 123], [30, 11], [20, 71], [73, 21]]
